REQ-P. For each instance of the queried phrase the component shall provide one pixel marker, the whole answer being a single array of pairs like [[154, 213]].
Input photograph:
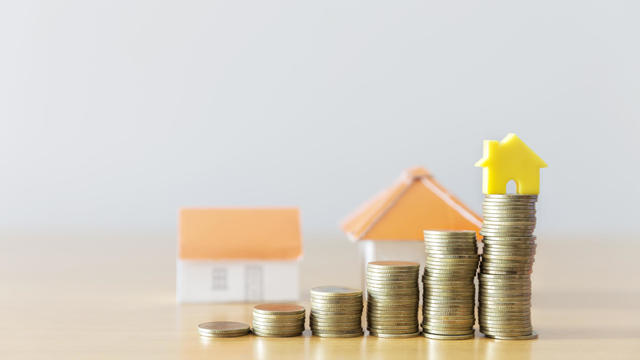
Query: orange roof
[[227, 234], [416, 202]]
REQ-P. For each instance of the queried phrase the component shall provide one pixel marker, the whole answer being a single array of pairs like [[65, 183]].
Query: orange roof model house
[[390, 226], [234, 255]]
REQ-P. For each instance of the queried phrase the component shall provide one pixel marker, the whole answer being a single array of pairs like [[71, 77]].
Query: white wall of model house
[[237, 281]]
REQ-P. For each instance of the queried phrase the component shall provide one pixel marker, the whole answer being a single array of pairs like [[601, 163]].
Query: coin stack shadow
[[448, 304], [504, 310], [278, 320], [392, 299], [336, 312]]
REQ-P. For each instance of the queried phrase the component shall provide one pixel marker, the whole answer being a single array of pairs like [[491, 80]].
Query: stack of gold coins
[[336, 311], [448, 304], [505, 271], [392, 299], [278, 320], [223, 329]]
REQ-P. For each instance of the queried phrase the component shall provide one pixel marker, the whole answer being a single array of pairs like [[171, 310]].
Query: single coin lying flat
[[223, 329]]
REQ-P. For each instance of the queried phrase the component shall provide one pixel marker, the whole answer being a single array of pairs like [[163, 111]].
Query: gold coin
[[351, 330], [229, 335], [392, 264], [463, 246], [277, 329], [510, 241], [336, 313], [453, 280], [531, 336], [223, 329], [335, 326], [275, 317], [412, 285], [445, 318], [430, 312], [393, 312], [392, 324], [450, 250], [460, 331], [463, 262], [507, 250], [263, 334], [336, 300], [518, 310], [469, 334], [273, 309], [448, 337], [505, 284], [448, 286], [335, 291], [391, 278], [331, 324], [328, 328], [337, 329], [519, 321], [447, 330], [278, 324], [394, 336], [393, 269], [465, 233], [333, 335], [350, 316], [514, 330], [445, 287], [385, 311], [348, 305], [500, 277], [392, 291], [410, 317], [393, 321], [394, 330]]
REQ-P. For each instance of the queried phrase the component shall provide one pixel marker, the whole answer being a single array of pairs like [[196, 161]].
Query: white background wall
[[115, 113]]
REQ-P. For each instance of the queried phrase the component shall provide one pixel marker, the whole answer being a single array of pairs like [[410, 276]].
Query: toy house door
[[254, 291]]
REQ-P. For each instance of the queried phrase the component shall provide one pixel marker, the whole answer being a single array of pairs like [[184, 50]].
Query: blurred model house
[[390, 225], [238, 255]]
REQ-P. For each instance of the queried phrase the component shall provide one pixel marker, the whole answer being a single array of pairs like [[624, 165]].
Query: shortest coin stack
[[278, 320], [336, 312], [223, 329], [392, 299]]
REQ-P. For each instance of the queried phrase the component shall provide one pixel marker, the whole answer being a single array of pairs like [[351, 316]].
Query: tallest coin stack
[[504, 310]]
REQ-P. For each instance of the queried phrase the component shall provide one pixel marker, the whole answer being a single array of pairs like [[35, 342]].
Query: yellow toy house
[[510, 159]]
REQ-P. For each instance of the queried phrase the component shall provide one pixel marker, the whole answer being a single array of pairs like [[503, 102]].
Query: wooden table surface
[[112, 296]]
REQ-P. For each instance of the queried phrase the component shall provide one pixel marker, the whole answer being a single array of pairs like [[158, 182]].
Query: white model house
[[390, 226], [238, 255]]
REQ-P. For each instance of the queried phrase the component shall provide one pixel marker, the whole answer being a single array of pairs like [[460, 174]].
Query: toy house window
[[219, 279]]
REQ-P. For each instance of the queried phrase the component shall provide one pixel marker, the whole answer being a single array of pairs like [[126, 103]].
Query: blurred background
[[115, 114]]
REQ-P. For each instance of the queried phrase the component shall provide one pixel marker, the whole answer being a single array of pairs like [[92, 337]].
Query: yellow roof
[[240, 233], [510, 144], [416, 202]]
